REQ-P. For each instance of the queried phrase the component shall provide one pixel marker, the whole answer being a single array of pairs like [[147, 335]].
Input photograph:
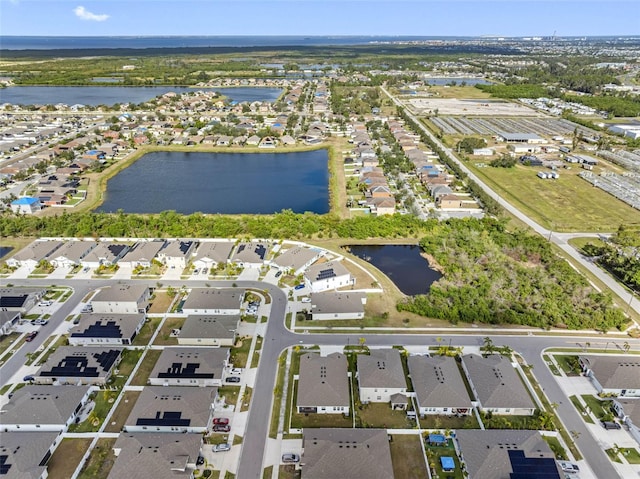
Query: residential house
[[268, 142], [497, 386], [99, 329], [380, 376], [326, 276], [161, 456], [142, 254], [104, 254], [253, 140], [176, 253], [26, 205], [209, 330], [628, 410], [212, 253], [323, 384], [450, 202], [613, 375], [79, 365], [25, 454], [439, 386], [71, 253], [122, 299], [334, 305], [8, 320], [172, 409], [190, 367], [501, 454], [33, 254], [218, 301], [342, 453], [252, 254], [43, 408], [382, 206], [296, 259], [20, 300]]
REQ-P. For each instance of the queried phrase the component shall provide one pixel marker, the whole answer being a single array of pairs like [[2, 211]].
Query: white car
[[306, 300], [221, 447]]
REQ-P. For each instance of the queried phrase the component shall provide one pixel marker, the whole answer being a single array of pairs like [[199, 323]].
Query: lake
[[109, 95], [403, 264], [227, 183], [5, 250]]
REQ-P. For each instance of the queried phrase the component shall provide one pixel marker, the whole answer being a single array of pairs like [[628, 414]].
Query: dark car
[[220, 420], [200, 461], [28, 378], [278, 274], [610, 425], [299, 286], [221, 428], [31, 336], [290, 457], [232, 379]]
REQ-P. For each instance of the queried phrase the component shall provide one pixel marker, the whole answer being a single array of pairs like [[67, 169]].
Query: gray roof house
[[323, 384], [439, 386], [212, 253], [106, 329], [190, 367], [296, 259], [330, 305], [380, 375], [619, 375], [24, 455], [209, 330], [346, 453], [176, 253], [161, 456], [79, 365], [20, 299], [497, 385], [326, 276], [128, 298], [213, 301], [142, 254], [172, 409], [43, 408], [629, 411], [251, 254], [106, 253], [501, 454], [33, 254], [8, 319], [71, 253]]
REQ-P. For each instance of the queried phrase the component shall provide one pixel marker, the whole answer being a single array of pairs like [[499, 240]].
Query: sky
[[320, 17]]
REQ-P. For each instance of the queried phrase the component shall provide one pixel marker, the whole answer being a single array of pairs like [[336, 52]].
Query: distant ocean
[[66, 43]]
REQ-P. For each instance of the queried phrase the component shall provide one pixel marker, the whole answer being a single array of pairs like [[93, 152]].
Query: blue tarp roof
[[447, 463]]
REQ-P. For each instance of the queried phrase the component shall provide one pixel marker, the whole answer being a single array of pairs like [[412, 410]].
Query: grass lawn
[[434, 453], [7, 340], [161, 302], [579, 243], [407, 456], [164, 337], [246, 399], [149, 361], [267, 472], [230, 394], [578, 405], [130, 358], [100, 460], [66, 457], [240, 352], [104, 402], [566, 204], [598, 408], [319, 420], [148, 328], [449, 422], [381, 415], [256, 353], [556, 447], [61, 341], [631, 455], [288, 472], [121, 414], [277, 396], [613, 454], [569, 364]]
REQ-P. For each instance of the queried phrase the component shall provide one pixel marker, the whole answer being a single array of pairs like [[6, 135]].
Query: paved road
[[556, 238], [278, 338]]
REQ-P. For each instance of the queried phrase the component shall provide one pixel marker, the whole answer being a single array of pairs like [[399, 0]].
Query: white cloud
[[85, 14]]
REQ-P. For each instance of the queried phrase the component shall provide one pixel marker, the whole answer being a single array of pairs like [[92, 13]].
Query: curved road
[[560, 239]]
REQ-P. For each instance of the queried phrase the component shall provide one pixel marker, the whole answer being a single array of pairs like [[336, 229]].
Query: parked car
[[221, 447], [236, 371], [569, 467], [610, 425], [298, 286], [278, 274], [31, 336], [44, 304], [232, 379], [197, 271], [306, 300], [200, 461], [220, 420], [290, 457], [41, 322], [28, 379], [221, 428]]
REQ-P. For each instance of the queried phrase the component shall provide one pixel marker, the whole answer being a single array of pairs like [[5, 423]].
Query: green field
[[567, 204]]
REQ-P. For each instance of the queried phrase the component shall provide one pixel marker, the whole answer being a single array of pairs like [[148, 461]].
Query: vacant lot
[[381, 415], [66, 458], [161, 302], [100, 461], [148, 328], [149, 361], [407, 457], [164, 337], [566, 204], [479, 107]]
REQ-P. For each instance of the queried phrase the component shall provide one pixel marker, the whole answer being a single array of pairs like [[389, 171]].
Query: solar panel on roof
[[167, 418], [100, 330], [4, 466], [326, 273], [177, 370], [14, 301], [261, 251], [524, 467]]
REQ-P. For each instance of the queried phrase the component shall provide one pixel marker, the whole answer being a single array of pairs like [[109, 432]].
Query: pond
[[227, 183], [403, 264], [5, 250], [110, 95]]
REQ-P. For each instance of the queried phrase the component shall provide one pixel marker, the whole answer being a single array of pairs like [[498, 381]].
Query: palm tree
[[488, 346]]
